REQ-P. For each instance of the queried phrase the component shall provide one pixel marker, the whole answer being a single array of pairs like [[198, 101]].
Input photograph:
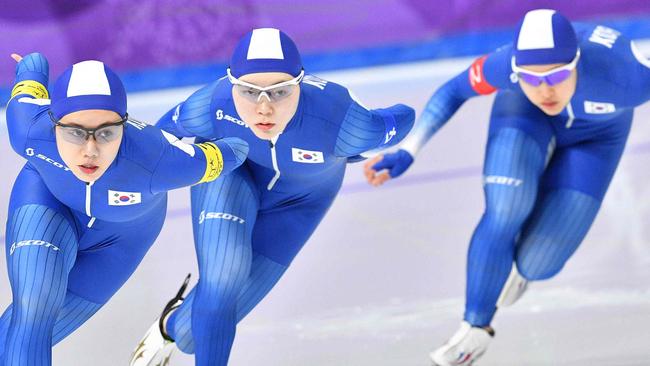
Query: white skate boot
[[156, 347], [513, 290], [464, 347]]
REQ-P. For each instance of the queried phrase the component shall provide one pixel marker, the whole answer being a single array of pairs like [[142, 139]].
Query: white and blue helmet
[[545, 37], [88, 85], [265, 50]]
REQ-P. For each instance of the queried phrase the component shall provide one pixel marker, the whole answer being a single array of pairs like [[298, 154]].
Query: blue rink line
[[422, 178], [414, 179], [451, 45]]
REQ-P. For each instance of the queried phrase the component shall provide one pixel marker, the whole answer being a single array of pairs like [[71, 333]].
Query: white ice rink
[[381, 282]]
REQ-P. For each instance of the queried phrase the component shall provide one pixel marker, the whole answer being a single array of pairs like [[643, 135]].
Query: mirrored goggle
[[105, 133], [551, 77], [274, 93]]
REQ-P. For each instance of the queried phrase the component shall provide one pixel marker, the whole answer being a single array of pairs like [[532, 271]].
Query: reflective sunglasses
[[551, 77], [274, 93], [105, 133]]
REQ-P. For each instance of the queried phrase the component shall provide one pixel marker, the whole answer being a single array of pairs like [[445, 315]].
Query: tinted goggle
[[103, 134], [551, 77], [274, 93]]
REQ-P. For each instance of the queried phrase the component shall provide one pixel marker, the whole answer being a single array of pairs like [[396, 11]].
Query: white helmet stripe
[[639, 55], [88, 78], [265, 44], [537, 30]]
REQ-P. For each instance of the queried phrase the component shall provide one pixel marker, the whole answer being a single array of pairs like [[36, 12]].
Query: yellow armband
[[30, 87], [214, 161]]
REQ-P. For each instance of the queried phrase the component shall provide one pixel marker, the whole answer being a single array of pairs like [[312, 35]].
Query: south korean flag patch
[[307, 156], [119, 198]]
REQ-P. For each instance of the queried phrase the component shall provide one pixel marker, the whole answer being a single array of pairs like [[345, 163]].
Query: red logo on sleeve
[[477, 77]]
